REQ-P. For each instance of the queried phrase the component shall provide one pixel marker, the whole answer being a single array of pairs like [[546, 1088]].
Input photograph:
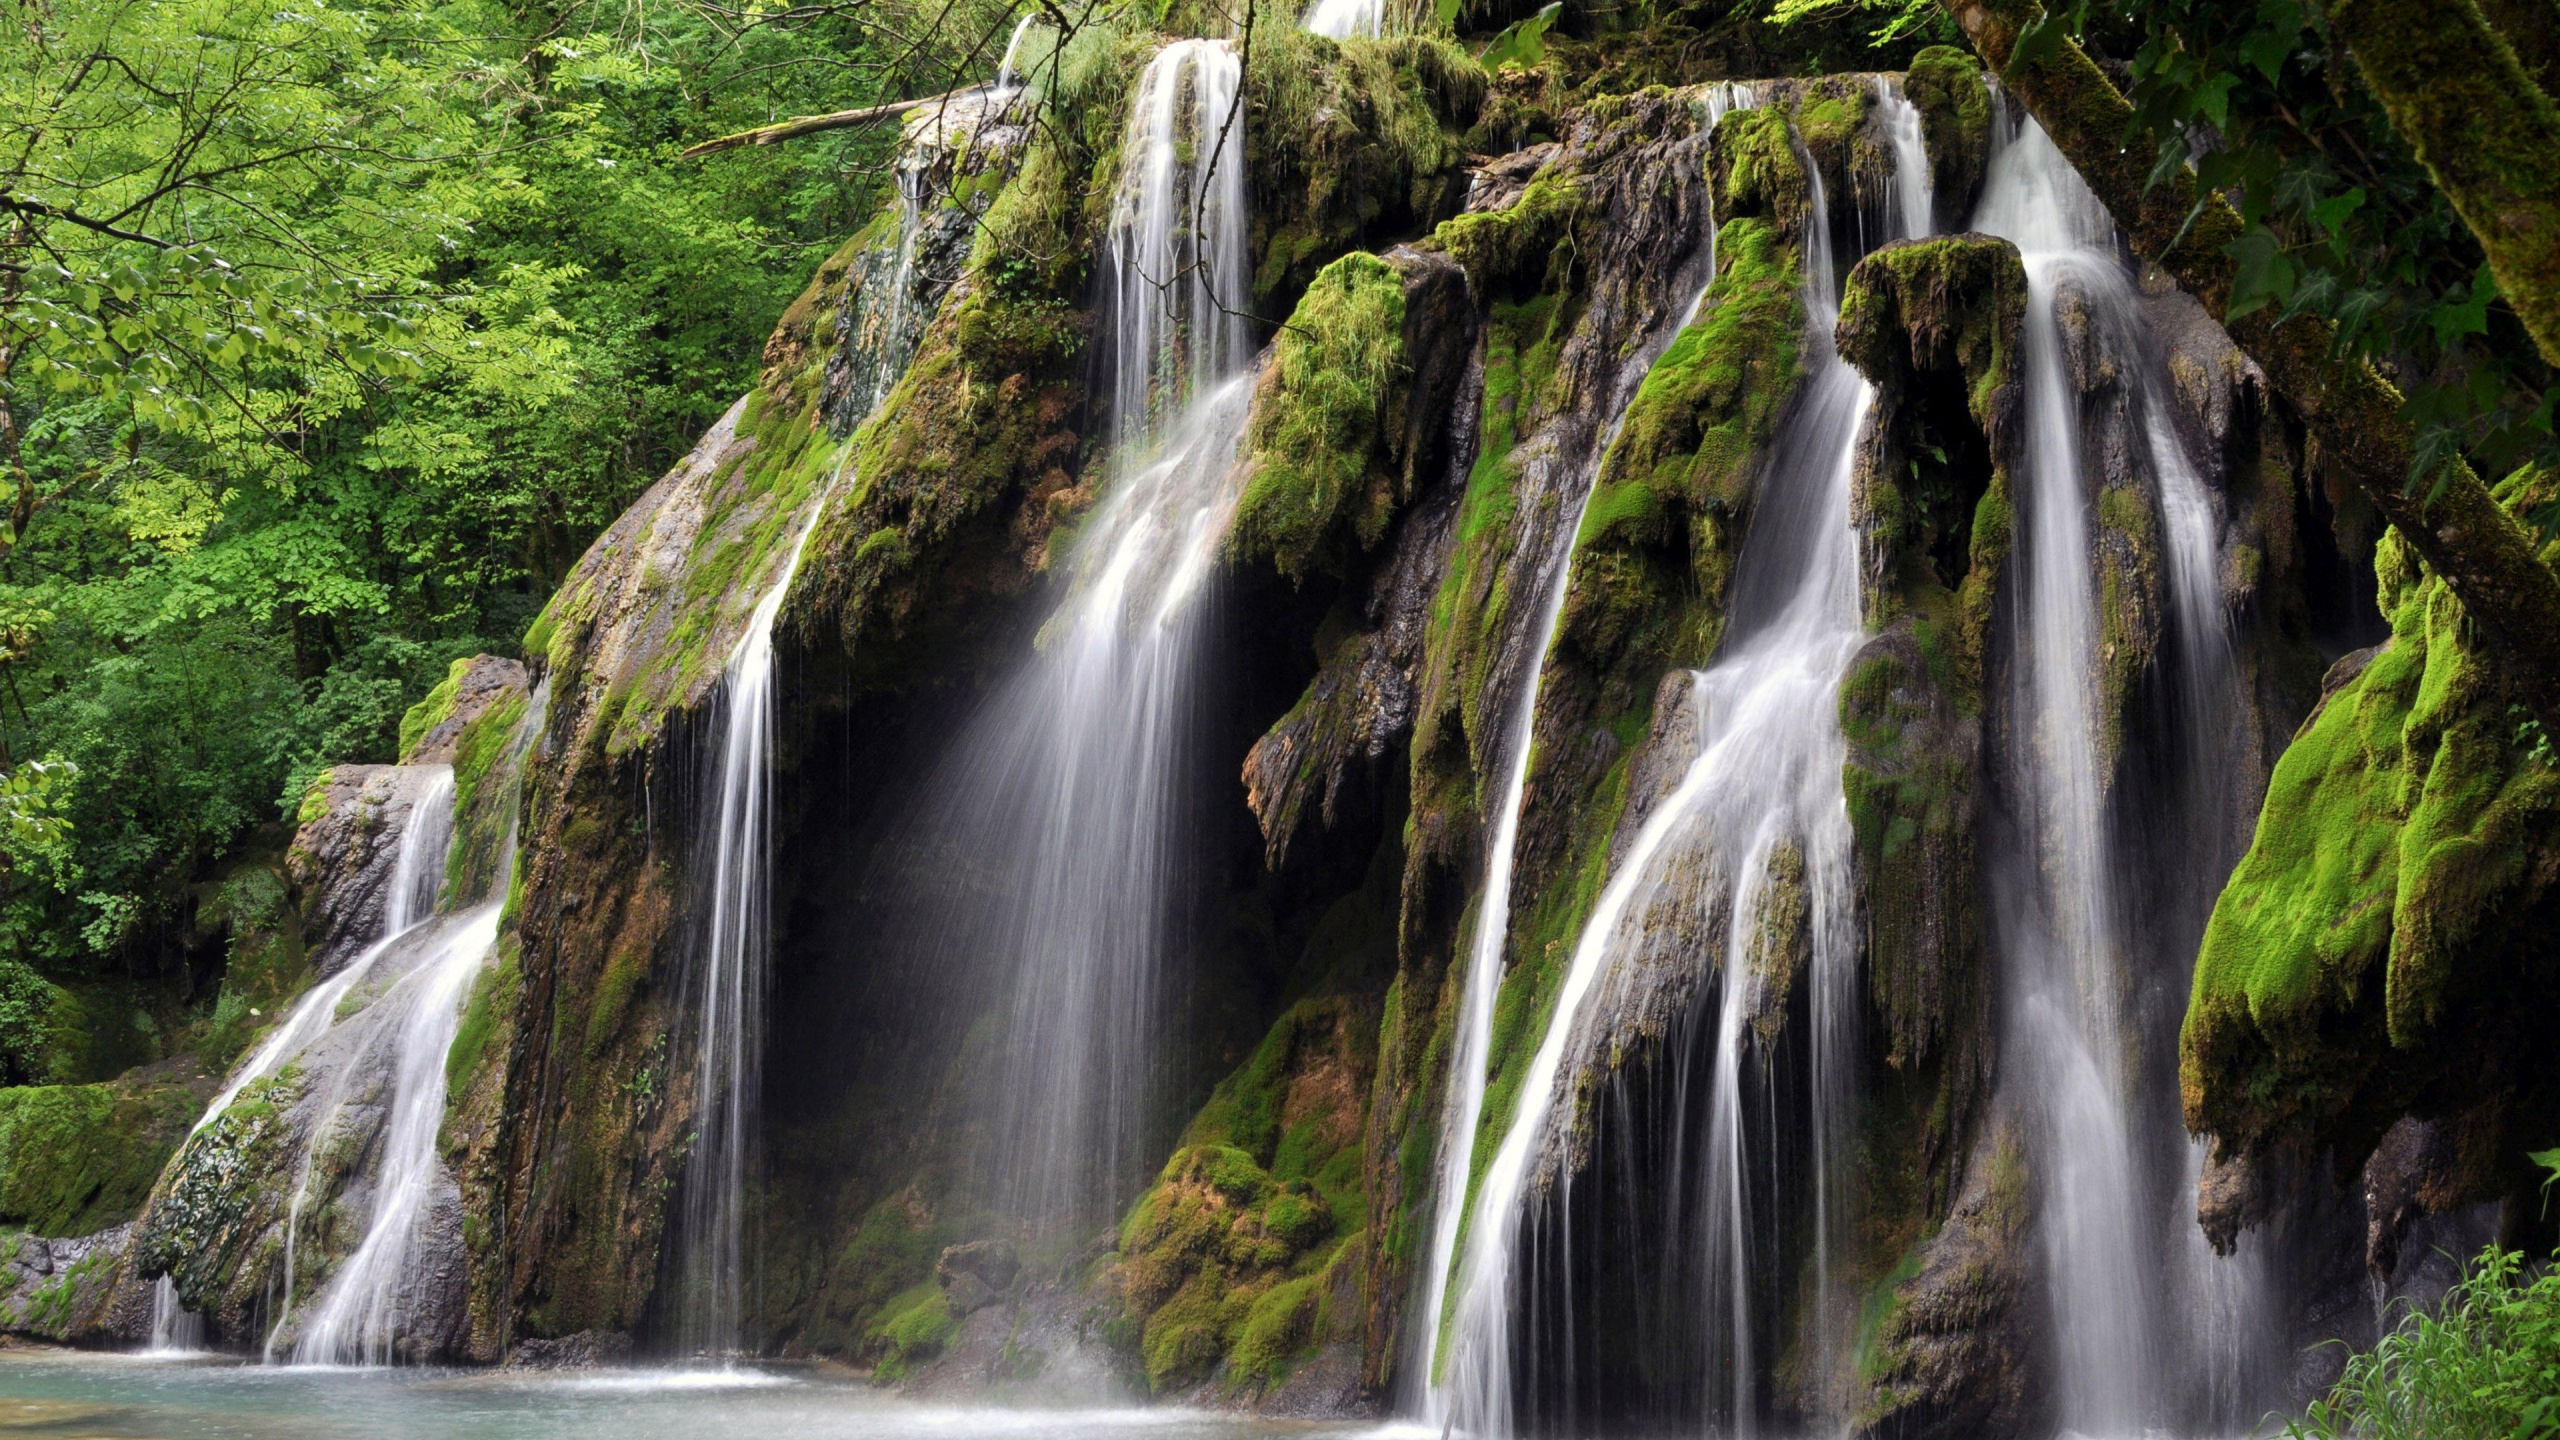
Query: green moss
[[494, 995], [1325, 419], [1754, 171], [75, 1159], [265, 964], [434, 709], [1351, 139], [2407, 829], [1250, 1206], [912, 1328], [1521, 243], [484, 798], [1945, 85], [624, 970]]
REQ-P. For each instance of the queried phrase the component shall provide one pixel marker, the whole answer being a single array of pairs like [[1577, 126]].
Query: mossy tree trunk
[[2356, 415], [2457, 93]]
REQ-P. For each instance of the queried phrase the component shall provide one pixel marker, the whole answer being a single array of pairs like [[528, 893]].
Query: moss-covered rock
[[75, 1159], [1229, 1265], [1330, 401], [1352, 142], [1945, 85], [2381, 948], [213, 1222], [1947, 1344]]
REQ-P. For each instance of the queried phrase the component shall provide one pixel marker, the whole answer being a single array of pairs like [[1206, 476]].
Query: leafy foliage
[[2485, 1365], [2342, 221], [328, 337]]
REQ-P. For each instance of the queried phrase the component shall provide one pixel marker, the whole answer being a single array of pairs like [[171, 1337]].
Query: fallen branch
[[812, 124]]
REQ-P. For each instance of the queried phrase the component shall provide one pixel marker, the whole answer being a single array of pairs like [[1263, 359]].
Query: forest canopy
[[329, 337]]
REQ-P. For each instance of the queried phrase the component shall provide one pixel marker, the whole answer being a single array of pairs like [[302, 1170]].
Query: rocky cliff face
[[1461, 348]]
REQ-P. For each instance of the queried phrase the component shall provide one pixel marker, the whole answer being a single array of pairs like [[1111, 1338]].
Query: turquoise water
[[60, 1395]]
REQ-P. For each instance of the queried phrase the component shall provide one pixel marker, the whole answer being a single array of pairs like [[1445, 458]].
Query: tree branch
[[812, 124], [2456, 92], [40, 210]]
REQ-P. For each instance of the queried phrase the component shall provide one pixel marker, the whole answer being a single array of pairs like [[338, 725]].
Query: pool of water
[[112, 1397]]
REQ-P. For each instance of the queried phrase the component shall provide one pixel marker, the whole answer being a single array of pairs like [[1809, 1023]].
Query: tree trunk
[[2484, 130], [2485, 556]]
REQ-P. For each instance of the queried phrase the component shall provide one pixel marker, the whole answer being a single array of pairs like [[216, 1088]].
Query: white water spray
[[175, 1330], [1343, 19], [370, 1303], [727, 984], [2074, 1032]]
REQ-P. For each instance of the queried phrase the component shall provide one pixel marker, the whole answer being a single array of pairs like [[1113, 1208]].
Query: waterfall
[[1342, 19], [175, 1330], [1097, 744], [1055, 854], [371, 1303], [1009, 79], [368, 1307], [1468, 1077], [726, 982], [1762, 802], [2109, 1201], [409, 897]]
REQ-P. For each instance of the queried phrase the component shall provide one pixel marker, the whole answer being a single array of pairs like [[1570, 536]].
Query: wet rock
[[73, 1289], [436, 728], [342, 857], [1362, 700], [1958, 1345], [974, 1275], [584, 1350]]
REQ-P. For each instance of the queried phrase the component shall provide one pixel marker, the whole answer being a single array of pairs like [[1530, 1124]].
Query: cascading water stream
[[1762, 798], [175, 1330], [370, 1303], [2076, 1032], [1483, 983], [1343, 19], [1067, 807], [731, 966], [408, 900], [366, 1308]]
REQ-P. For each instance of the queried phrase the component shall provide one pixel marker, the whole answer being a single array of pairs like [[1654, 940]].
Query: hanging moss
[[1351, 142], [1753, 170], [2371, 947], [432, 709], [1677, 482], [1321, 489]]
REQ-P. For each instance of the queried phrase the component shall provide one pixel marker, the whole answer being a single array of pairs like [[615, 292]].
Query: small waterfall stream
[[1343, 19], [408, 900], [1486, 948], [2111, 1201], [727, 980], [1067, 807], [370, 1304], [1762, 801], [365, 1309]]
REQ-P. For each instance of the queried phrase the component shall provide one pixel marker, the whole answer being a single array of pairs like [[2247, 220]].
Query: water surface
[[117, 1397]]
